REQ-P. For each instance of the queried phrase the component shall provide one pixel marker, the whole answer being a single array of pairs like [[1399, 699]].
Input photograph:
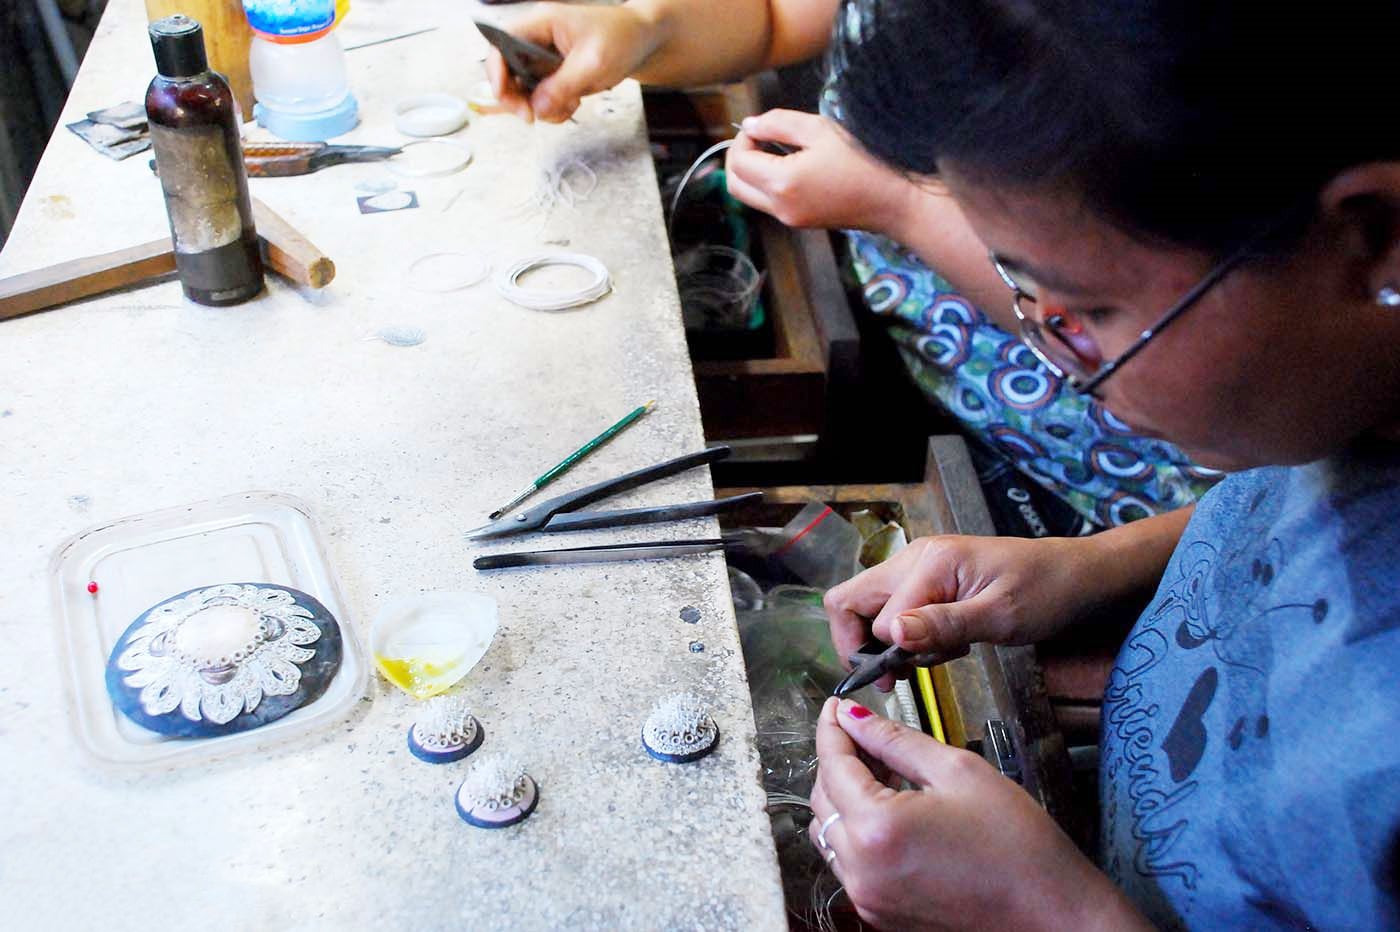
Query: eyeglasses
[[1050, 340]]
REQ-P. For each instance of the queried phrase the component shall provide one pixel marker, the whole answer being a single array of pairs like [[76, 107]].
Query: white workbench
[[140, 400]]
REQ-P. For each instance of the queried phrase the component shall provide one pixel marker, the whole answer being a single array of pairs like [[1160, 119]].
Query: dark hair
[[1197, 122]]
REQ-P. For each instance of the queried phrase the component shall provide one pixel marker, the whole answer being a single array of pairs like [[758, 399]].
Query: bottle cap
[[178, 42]]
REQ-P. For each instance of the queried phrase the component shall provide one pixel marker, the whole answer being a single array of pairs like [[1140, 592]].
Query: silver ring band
[[821, 832]]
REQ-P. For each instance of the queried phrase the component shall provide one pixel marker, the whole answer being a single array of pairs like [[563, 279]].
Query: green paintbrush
[[567, 463]]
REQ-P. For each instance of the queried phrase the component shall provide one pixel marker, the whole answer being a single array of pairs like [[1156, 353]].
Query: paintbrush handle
[[569, 461]]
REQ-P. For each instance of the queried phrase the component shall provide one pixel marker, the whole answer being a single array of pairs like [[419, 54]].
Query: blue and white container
[[298, 69]]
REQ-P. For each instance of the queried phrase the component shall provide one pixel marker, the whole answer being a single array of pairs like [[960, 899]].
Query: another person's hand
[[967, 849], [943, 594], [828, 182], [601, 46]]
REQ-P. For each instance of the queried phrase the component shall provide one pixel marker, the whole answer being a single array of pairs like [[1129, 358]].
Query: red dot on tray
[[92, 587]]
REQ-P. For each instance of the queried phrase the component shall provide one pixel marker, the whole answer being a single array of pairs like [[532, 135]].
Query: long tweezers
[[606, 553]]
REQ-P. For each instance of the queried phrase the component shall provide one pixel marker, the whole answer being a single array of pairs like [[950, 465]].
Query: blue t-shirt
[[1250, 775]]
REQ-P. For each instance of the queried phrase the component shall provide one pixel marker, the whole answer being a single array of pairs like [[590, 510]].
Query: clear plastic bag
[[820, 547]]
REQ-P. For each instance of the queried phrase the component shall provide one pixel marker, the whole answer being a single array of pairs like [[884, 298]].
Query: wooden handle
[[83, 278], [279, 159], [287, 252]]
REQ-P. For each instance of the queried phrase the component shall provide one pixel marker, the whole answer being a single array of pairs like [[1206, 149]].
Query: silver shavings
[[568, 183], [679, 724], [446, 724], [495, 782], [376, 185], [400, 336]]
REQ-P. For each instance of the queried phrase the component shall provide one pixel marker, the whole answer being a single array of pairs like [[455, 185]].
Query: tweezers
[[561, 514], [874, 659], [652, 550]]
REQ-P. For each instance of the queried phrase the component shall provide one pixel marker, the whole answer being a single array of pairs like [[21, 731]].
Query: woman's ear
[[1364, 202]]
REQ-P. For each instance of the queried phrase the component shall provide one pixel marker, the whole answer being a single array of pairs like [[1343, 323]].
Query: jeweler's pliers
[[285, 159], [560, 513], [282, 159], [875, 658]]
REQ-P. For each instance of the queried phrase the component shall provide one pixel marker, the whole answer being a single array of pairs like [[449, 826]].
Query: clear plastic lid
[[140, 561]]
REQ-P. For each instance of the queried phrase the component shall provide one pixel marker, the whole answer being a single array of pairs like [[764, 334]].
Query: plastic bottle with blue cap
[[298, 68]]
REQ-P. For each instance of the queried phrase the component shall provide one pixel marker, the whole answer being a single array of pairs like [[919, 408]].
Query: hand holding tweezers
[[560, 513]]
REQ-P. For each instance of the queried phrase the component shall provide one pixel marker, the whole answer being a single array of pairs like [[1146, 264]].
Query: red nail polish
[[859, 711]]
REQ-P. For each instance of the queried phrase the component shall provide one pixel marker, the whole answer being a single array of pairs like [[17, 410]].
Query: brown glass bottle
[[199, 157]]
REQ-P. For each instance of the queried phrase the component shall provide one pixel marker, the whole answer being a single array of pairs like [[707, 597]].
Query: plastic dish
[[139, 561], [430, 115], [425, 643]]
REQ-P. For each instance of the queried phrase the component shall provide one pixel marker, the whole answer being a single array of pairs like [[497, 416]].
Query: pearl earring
[[1388, 296]]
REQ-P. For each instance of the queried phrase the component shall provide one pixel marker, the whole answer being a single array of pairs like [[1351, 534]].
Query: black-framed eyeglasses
[[1049, 339]]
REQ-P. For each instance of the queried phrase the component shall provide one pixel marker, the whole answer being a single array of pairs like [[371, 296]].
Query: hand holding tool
[[771, 146], [527, 62], [876, 658]]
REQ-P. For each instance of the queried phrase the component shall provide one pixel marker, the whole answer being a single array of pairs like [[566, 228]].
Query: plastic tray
[[139, 561]]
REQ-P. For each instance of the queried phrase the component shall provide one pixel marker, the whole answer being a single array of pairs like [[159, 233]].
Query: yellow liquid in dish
[[431, 669]]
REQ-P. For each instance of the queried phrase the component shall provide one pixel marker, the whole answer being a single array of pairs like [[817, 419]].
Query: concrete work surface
[[140, 401]]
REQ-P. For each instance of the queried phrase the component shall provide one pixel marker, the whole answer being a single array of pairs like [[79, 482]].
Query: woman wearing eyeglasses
[[921, 270], [1196, 208]]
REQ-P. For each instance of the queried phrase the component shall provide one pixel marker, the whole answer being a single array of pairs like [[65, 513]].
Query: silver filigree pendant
[[496, 792], [679, 729], [445, 732], [223, 659]]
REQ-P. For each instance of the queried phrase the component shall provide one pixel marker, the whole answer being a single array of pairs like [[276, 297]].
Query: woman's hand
[[601, 46], [671, 43], [829, 181], [942, 594], [967, 849]]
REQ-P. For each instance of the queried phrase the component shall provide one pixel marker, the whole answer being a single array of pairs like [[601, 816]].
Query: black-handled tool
[[876, 658], [527, 62], [607, 553], [560, 513]]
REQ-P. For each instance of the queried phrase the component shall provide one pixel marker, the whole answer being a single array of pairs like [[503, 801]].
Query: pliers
[[283, 159], [561, 512], [875, 658]]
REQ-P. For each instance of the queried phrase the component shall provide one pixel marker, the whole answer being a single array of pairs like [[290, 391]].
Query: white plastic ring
[[441, 272], [452, 156], [430, 115], [543, 299]]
